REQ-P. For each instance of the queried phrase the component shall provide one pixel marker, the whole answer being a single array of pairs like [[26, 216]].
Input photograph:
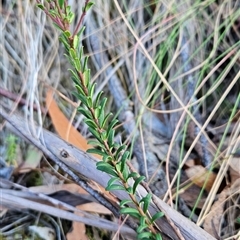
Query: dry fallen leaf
[[61, 124], [212, 222], [198, 175]]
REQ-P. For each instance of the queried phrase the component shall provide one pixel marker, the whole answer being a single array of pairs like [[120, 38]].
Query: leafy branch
[[100, 123]]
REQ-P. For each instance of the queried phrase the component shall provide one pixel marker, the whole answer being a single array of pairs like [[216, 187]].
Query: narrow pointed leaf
[[41, 6], [96, 104], [106, 167], [112, 180], [103, 123], [80, 97], [90, 123], [119, 150], [81, 31], [158, 236], [125, 172], [133, 175], [156, 216], [145, 235], [111, 138], [85, 64], [137, 181], [88, 6], [61, 2], [124, 202], [141, 228], [75, 76], [84, 111], [115, 187], [131, 211], [146, 201]]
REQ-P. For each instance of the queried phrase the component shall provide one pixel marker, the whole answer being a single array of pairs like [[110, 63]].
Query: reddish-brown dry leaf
[[78, 231], [198, 175], [61, 125]]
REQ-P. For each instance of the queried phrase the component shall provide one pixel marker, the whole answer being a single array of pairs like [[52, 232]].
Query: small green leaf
[[118, 167], [115, 187], [96, 104], [80, 97], [61, 3], [88, 6], [112, 180], [84, 112], [137, 181], [70, 17], [62, 39], [68, 9], [57, 27], [107, 158], [76, 78], [146, 235], [141, 228], [77, 64], [146, 201], [102, 112], [81, 31], [103, 103], [131, 211], [95, 134], [96, 151], [124, 158], [80, 52], [86, 77], [85, 64], [119, 150], [130, 190], [101, 116], [92, 89], [75, 41], [95, 143], [53, 12], [111, 138], [111, 125], [105, 120], [125, 172], [72, 53], [79, 89], [156, 216], [107, 168], [158, 236], [124, 202], [142, 220], [97, 112], [89, 102], [90, 123], [41, 6], [67, 34], [133, 175]]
